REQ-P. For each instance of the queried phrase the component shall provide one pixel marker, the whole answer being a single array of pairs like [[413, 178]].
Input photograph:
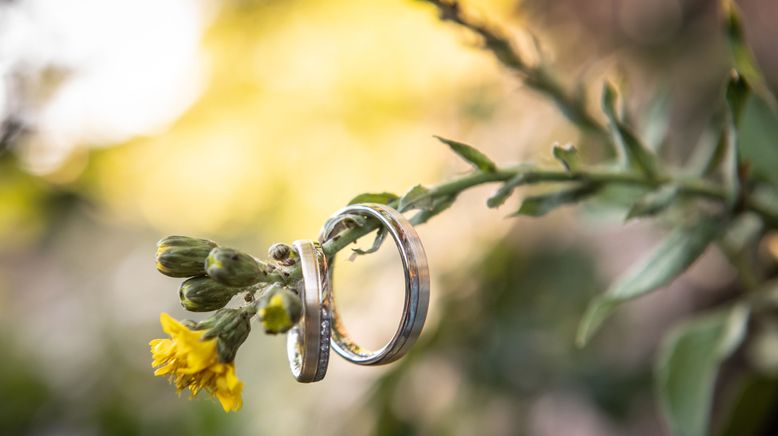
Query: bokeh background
[[249, 122]]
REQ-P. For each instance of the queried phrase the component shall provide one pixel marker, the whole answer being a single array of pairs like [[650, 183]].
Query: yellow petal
[[231, 379], [201, 357], [167, 369], [193, 364], [230, 401], [162, 347], [171, 325]]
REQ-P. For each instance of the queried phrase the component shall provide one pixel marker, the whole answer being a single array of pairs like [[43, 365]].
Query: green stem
[[537, 77], [690, 187]]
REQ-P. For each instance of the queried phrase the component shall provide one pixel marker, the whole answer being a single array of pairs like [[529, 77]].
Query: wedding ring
[[308, 342], [417, 285]]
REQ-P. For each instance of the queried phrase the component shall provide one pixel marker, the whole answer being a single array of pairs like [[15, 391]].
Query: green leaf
[[737, 94], [724, 156], [377, 197], [568, 157], [379, 239], [688, 365], [757, 139], [730, 161], [439, 205], [656, 120], [653, 202], [614, 200], [666, 262], [542, 204], [742, 57], [470, 154], [505, 191], [629, 147], [417, 198]]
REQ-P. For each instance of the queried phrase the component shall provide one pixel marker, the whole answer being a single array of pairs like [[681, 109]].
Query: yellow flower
[[193, 363]]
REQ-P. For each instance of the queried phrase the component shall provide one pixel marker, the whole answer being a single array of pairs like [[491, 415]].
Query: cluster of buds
[[215, 275]]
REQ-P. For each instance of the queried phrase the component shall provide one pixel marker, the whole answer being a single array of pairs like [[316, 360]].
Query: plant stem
[[537, 77], [690, 187], [540, 78]]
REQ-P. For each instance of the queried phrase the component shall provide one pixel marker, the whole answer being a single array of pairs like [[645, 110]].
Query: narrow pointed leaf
[[631, 150], [731, 162], [377, 197], [608, 103], [470, 154], [505, 191], [666, 262], [688, 365], [417, 198], [758, 131], [737, 94], [724, 155], [542, 204], [742, 57], [568, 157], [653, 202], [656, 121], [439, 205], [379, 239]]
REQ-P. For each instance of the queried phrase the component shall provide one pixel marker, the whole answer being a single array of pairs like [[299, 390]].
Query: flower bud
[[204, 294], [182, 256], [279, 309], [230, 327], [279, 251], [283, 254], [233, 268], [230, 340]]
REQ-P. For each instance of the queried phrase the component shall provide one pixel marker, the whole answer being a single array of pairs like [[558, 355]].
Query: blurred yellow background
[[297, 107]]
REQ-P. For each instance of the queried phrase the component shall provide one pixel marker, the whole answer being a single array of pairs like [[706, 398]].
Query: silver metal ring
[[308, 342], [417, 286]]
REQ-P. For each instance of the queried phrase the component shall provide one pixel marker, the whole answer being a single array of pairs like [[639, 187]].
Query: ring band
[[308, 342], [417, 286]]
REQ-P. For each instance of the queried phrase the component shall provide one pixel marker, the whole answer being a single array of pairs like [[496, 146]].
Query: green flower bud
[[279, 309], [204, 294], [230, 327], [182, 256], [230, 340], [233, 268]]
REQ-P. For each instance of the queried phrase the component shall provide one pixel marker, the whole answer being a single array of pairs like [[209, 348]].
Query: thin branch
[[698, 188], [537, 77]]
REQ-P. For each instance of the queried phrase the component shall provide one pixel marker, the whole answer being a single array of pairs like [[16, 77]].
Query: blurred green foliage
[[506, 330], [108, 401]]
